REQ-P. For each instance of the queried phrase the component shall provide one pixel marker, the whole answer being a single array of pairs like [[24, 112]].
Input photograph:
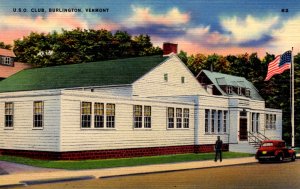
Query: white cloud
[[287, 36], [143, 16], [53, 21], [249, 28]]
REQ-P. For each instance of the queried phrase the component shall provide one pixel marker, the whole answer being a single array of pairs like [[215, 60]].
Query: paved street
[[268, 175]]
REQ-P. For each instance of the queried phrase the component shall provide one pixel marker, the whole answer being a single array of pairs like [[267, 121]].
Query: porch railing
[[256, 139]]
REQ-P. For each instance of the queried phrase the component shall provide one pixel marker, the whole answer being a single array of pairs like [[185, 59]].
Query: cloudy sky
[[202, 26]]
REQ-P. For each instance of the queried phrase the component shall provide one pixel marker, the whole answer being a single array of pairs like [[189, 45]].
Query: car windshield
[[267, 144]]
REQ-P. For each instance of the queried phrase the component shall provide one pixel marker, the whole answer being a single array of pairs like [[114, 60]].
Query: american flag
[[279, 65]]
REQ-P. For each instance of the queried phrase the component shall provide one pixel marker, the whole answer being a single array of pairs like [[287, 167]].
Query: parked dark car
[[274, 150]]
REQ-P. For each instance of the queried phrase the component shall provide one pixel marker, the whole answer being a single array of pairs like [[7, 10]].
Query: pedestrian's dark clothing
[[218, 149]]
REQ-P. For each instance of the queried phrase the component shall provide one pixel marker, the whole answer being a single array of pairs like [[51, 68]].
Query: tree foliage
[[5, 46], [76, 46]]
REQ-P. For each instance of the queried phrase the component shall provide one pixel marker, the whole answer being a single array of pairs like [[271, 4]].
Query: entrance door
[[243, 129]]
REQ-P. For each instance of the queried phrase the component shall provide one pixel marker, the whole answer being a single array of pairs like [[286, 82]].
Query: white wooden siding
[[23, 136], [125, 90], [153, 83], [74, 138]]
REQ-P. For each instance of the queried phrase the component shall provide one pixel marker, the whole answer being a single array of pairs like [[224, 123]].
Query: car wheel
[[280, 157], [293, 157]]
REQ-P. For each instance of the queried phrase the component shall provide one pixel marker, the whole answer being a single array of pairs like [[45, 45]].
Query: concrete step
[[242, 147]]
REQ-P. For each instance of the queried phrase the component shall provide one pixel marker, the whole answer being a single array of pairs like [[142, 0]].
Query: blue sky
[[223, 27]]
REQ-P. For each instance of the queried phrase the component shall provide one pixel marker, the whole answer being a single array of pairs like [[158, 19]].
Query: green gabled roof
[[111, 72], [219, 79]]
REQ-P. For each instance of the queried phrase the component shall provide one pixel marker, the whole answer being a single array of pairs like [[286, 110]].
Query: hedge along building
[[128, 107]]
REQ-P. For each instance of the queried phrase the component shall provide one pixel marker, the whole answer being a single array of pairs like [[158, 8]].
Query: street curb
[[174, 170], [12, 185], [55, 180]]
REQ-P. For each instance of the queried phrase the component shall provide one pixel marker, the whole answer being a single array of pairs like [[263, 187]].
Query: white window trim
[[13, 117], [93, 117], [43, 116], [175, 119]]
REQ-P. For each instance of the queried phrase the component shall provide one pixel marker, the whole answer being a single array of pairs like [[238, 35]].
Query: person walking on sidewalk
[[218, 149]]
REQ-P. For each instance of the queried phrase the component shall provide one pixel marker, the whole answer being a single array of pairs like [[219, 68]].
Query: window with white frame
[[9, 115], [38, 114], [274, 122], [86, 114], [240, 91], [213, 118], [178, 117], [170, 115], [137, 116], [252, 121], [207, 112], [225, 117], [186, 118], [257, 123], [219, 121], [229, 90], [99, 115], [110, 115], [270, 121], [7, 61], [147, 116]]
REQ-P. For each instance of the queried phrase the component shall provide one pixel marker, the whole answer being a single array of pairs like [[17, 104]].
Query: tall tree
[[76, 46]]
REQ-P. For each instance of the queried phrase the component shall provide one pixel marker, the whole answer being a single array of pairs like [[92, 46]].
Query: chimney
[[169, 48]]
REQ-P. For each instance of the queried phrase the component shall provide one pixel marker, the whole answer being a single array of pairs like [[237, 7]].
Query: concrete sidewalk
[[23, 178]]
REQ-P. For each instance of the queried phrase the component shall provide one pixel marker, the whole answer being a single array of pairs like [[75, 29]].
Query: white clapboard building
[[130, 107]]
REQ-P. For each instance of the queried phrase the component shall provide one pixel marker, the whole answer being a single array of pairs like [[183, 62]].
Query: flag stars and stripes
[[279, 64]]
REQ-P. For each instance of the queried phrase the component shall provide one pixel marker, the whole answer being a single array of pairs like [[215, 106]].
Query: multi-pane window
[[7, 61], [147, 116], [110, 115], [213, 117], [225, 117], [186, 118], [99, 115], [86, 111], [207, 121], [137, 116], [219, 121], [38, 113], [215, 121], [270, 121], [252, 121], [9, 114], [229, 89], [273, 123], [178, 117], [257, 122], [170, 114]]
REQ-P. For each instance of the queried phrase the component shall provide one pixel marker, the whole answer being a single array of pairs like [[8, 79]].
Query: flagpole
[[293, 101]]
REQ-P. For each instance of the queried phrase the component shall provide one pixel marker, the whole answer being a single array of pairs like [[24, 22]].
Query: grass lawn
[[109, 163]]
